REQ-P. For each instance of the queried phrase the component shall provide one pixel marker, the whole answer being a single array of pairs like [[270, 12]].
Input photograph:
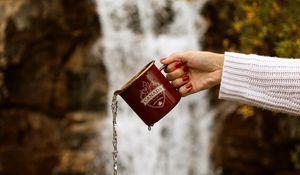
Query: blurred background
[[60, 61]]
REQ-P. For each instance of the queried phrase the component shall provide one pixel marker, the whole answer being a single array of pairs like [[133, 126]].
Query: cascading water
[[135, 32]]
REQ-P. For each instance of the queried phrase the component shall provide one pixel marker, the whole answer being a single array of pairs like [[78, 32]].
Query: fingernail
[[177, 65], [185, 69], [185, 78], [162, 59], [189, 85]]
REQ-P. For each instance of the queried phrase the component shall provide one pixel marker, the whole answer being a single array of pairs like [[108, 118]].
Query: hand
[[193, 71]]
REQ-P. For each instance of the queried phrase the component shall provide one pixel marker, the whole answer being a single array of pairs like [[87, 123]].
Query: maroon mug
[[150, 94]]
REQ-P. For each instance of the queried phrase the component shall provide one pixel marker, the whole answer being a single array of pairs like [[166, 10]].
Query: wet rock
[[48, 62], [30, 142], [81, 153], [52, 90]]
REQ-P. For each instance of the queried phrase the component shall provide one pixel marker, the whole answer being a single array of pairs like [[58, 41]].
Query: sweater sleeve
[[268, 82]]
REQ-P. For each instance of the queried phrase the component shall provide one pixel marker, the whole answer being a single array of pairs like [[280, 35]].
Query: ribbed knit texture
[[267, 82]]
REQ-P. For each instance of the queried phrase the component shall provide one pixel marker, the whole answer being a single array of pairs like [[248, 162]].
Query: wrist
[[220, 60], [219, 65]]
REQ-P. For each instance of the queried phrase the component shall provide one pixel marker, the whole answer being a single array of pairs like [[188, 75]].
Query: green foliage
[[295, 156], [269, 27]]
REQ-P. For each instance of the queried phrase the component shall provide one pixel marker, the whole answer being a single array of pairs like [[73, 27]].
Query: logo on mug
[[152, 94]]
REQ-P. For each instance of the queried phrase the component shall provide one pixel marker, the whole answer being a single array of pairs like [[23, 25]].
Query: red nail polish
[[185, 69], [177, 65], [189, 86], [185, 78], [162, 59]]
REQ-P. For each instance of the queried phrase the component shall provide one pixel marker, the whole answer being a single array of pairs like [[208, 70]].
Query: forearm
[[266, 82]]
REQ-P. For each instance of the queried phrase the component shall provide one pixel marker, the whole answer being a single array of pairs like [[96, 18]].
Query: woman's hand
[[193, 71]]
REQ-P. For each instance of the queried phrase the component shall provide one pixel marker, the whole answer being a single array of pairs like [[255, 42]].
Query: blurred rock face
[[46, 50], [260, 144], [47, 75]]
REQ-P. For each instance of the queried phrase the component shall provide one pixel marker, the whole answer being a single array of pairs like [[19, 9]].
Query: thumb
[[179, 56]]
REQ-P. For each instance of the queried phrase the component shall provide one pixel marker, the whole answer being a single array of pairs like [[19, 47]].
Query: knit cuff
[[235, 81]]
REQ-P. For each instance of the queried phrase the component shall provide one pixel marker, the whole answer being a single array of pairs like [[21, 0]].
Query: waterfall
[[135, 32]]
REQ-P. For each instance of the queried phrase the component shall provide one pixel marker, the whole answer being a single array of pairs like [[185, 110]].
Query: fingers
[[183, 85], [186, 89], [179, 56], [177, 73], [173, 66], [180, 81], [175, 61]]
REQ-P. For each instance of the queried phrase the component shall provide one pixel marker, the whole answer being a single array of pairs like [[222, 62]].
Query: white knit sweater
[[267, 82]]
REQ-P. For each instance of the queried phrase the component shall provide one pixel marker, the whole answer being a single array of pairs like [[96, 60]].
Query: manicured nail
[[177, 65], [189, 86], [185, 69], [162, 59], [185, 78]]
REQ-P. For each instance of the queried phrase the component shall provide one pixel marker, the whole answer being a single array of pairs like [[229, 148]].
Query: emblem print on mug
[[152, 94]]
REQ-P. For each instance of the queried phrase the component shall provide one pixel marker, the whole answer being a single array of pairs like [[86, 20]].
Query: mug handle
[[162, 67]]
